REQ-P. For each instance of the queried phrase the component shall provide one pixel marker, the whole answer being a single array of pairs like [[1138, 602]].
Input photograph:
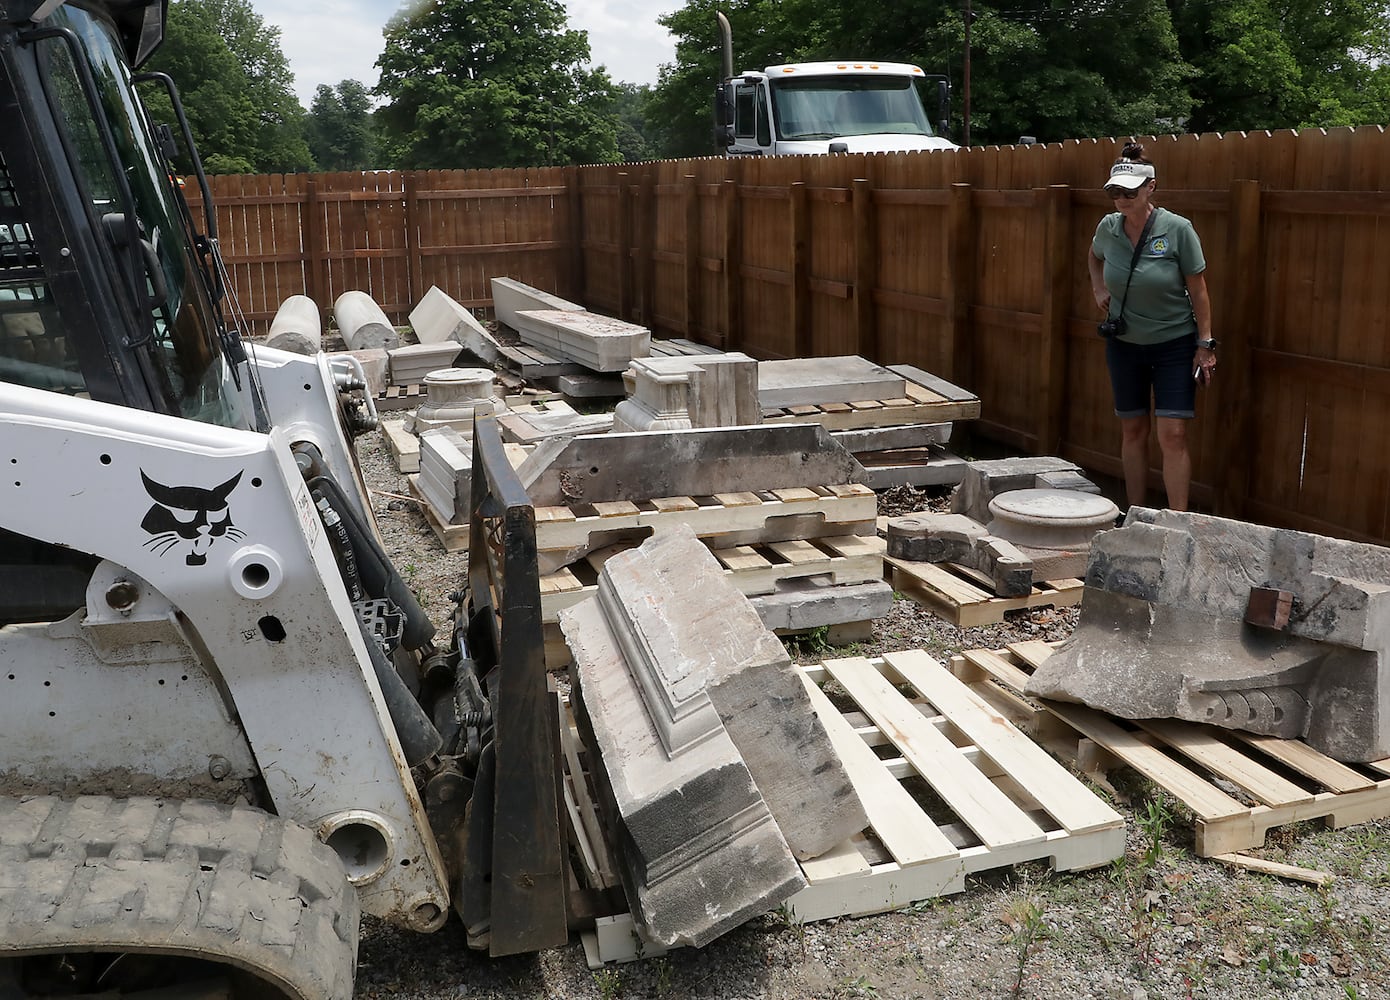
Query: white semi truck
[[844, 106]]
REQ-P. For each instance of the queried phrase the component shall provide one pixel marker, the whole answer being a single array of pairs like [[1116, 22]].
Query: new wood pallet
[[963, 597], [1279, 781], [564, 534], [753, 569], [927, 400], [951, 788]]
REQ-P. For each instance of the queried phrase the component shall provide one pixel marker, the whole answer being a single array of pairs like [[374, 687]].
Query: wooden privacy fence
[[969, 264]]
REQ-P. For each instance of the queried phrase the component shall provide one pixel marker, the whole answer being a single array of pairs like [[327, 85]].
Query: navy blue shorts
[[1161, 372]]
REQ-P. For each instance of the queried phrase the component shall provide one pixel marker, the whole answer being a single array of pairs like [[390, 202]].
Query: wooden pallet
[[928, 400], [563, 534], [753, 569], [951, 788], [963, 597], [400, 397], [1280, 781]]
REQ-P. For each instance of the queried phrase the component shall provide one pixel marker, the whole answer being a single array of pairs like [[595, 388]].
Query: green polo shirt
[[1158, 308]]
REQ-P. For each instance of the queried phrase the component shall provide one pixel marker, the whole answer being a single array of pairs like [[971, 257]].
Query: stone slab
[[696, 625], [1162, 632], [697, 462], [510, 296], [702, 852], [410, 363], [894, 438], [812, 381], [810, 603], [599, 343], [550, 421]]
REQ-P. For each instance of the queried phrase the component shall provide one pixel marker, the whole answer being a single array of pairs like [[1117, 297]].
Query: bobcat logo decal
[[189, 514]]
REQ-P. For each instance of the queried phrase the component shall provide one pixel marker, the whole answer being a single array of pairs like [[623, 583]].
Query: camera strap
[[1134, 261]]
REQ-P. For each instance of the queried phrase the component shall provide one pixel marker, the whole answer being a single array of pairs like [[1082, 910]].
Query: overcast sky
[[331, 40]]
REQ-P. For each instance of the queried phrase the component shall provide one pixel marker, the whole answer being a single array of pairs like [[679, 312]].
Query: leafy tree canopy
[[236, 87], [1061, 68], [340, 129], [492, 83]]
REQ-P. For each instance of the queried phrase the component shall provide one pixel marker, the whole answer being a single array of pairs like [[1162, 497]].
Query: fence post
[[733, 261], [414, 279], [315, 280], [624, 247], [865, 268], [574, 199], [646, 250], [960, 285], [1241, 315], [691, 198], [801, 284], [1056, 318]]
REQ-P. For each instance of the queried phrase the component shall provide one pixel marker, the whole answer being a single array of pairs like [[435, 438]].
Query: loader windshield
[[829, 107], [126, 198]]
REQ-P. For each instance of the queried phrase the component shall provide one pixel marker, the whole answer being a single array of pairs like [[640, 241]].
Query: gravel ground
[[1158, 923]]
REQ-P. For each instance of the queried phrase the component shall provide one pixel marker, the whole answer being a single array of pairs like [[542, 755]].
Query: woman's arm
[[1201, 303], [1097, 268]]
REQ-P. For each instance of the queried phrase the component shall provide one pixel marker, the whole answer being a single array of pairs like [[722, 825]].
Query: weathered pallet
[[1280, 781], [951, 788], [921, 405], [753, 569], [564, 534], [400, 397], [962, 596]]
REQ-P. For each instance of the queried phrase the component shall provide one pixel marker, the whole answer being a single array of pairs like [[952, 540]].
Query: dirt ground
[[1160, 922]]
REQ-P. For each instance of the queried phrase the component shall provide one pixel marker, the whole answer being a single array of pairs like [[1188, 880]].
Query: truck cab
[[830, 107]]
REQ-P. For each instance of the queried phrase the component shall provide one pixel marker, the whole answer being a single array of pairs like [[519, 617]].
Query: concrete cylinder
[[362, 323], [296, 326], [1050, 519]]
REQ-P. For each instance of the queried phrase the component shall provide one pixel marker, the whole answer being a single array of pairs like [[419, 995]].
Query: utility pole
[[965, 131]]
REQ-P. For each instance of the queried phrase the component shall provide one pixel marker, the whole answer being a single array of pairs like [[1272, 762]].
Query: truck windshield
[[176, 319], [827, 107]]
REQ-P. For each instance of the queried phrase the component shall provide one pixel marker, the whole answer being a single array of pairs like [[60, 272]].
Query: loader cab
[[106, 291]]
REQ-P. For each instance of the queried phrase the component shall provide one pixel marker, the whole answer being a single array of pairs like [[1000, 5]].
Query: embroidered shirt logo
[[1158, 246]]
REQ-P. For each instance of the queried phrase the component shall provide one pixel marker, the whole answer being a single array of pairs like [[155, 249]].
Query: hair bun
[[1133, 151]]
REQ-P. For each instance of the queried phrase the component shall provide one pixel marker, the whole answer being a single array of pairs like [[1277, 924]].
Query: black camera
[[1111, 327]]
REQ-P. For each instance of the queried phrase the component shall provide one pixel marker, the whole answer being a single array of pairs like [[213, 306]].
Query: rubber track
[[228, 884]]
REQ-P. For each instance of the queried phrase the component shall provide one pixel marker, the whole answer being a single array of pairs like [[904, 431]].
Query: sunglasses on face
[[1128, 194]]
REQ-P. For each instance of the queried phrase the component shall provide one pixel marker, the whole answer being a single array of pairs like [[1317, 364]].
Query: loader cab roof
[[140, 23]]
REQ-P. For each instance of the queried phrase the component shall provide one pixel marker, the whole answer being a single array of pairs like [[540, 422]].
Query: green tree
[[492, 83], [1051, 68], [1265, 64], [340, 128], [638, 135], [236, 87]]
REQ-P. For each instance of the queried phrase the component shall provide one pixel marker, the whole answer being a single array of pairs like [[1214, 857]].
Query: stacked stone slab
[[700, 390], [510, 297], [712, 762], [810, 381], [438, 318], [410, 363], [1163, 632], [446, 474], [599, 343]]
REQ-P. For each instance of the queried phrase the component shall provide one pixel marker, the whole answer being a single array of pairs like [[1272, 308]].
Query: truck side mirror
[[943, 105], [723, 105]]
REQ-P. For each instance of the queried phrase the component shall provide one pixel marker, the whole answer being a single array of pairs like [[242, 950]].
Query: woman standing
[[1148, 274]]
